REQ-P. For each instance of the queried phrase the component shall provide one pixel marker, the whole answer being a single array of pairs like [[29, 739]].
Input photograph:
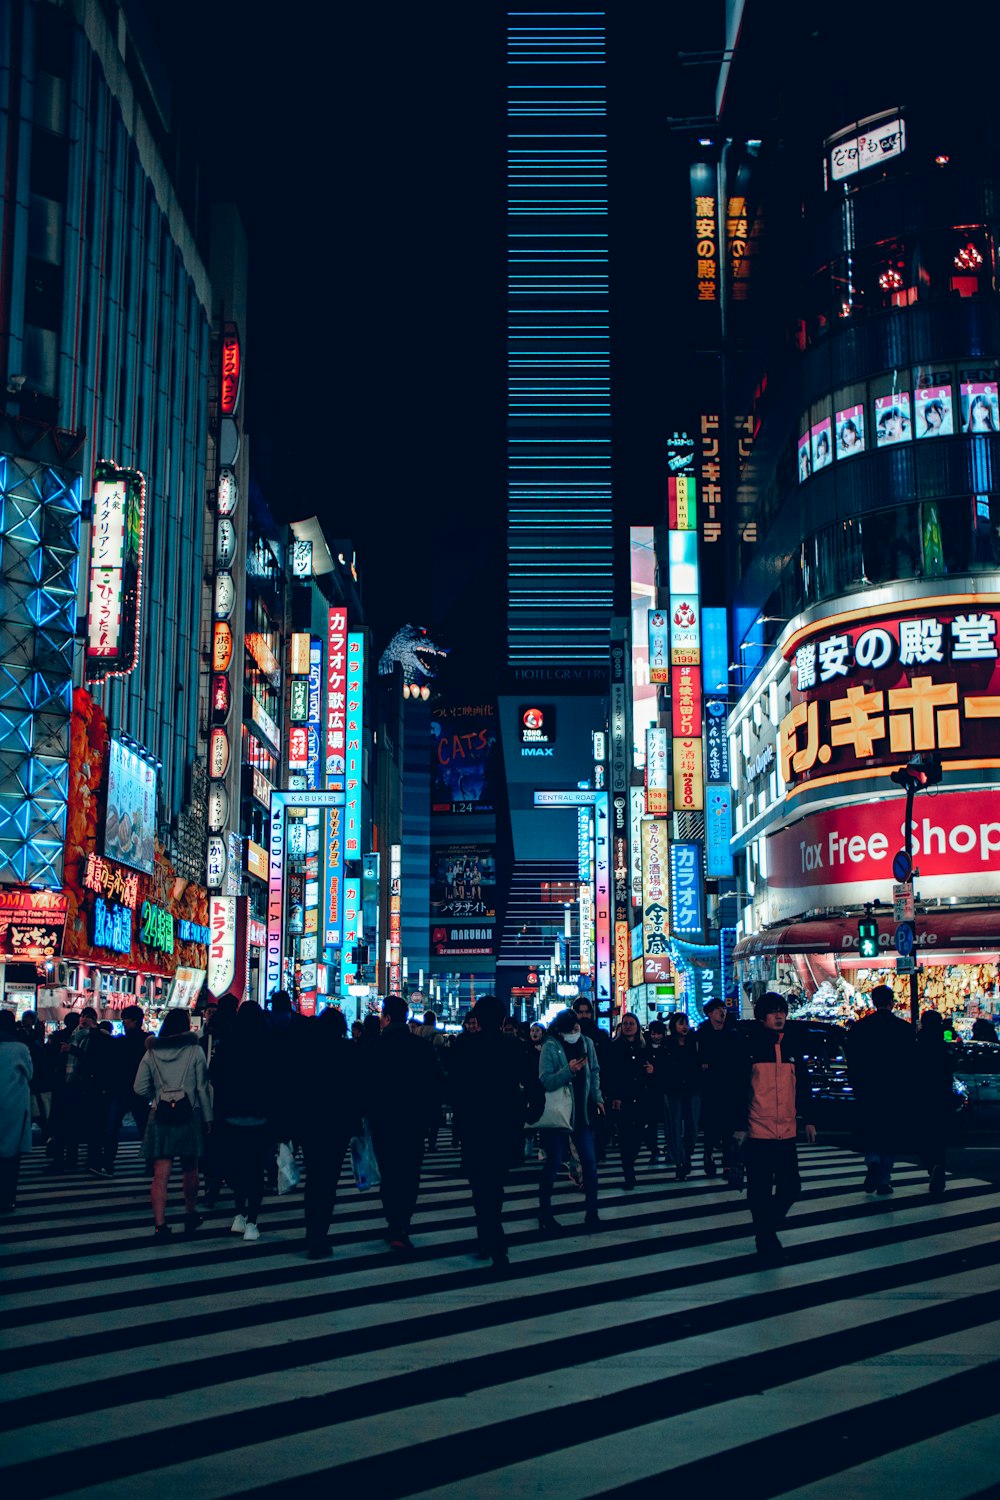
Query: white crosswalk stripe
[[656, 1352]]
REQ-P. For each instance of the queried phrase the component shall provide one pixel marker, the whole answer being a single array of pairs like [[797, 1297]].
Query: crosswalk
[[654, 1357]]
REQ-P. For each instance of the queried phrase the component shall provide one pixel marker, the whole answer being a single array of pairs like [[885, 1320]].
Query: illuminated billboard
[[353, 730], [130, 819], [115, 580], [336, 697]]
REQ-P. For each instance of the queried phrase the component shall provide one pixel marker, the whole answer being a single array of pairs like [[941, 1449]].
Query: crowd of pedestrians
[[256, 1088]]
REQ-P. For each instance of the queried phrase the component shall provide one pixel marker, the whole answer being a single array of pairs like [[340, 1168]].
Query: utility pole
[[920, 771]]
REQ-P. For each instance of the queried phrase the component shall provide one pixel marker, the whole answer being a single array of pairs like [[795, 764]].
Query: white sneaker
[[238, 1226], [251, 1232]]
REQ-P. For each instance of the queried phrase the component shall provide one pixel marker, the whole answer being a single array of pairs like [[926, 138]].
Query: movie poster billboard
[[850, 431], [463, 881], [130, 820], [892, 419], [979, 407], [463, 744], [933, 410]]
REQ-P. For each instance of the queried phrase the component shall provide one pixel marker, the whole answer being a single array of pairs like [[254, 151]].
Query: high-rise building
[[559, 507]]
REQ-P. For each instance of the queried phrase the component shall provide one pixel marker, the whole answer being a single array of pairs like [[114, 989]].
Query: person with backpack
[[174, 1078]]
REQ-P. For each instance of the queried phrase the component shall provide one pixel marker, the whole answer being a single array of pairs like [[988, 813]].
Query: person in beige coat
[[173, 1076]]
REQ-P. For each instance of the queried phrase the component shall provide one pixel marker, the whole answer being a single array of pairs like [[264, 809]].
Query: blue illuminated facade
[[104, 351], [559, 509]]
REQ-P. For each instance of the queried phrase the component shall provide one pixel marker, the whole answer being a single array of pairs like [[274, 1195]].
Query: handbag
[[288, 1172], [558, 1111], [364, 1163], [173, 1107]]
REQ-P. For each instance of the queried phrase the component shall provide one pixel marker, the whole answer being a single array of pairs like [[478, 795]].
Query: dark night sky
[[366, 150]]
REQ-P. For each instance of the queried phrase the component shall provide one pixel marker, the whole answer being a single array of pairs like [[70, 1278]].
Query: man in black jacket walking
[[402, 1094], [880, 1061]]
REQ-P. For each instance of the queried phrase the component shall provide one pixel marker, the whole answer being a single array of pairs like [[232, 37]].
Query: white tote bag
[[558, 1111]]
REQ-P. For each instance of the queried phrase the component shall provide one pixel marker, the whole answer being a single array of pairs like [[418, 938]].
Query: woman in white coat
[[15, 1108]]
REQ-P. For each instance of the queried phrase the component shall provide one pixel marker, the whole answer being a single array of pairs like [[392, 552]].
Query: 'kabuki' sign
[[115, 579]]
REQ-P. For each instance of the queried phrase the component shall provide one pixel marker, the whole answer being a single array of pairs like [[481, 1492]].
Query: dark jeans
[[680, 1121], [883, 1163], [631, 1129], [324, 1157], [399, 1163], [487, 1172], [245, 1149], [717, 1132], [118, 1107], [773, 1182], [10, 1167], [556, 1147]]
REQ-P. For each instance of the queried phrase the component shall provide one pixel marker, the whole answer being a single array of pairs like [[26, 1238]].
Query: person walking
[[601, 1040], [329, 1114], [488, 1081], [880, 1066], [569, 1059], [933, 1083], [776, 1090], [402, 1097], [680, 1081], [243, 1077], [721, 1049], [173, 1078], [15, 1108], [219, 1025], [126, 1053], [629, 1085]]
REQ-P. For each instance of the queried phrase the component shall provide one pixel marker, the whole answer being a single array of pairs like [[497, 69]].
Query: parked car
[[977, 1070]]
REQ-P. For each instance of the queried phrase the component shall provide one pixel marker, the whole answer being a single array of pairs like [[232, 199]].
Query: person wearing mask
[[329, 1114], [629, 1084], [774, 1092], [15, 1108], [487, 1082], [126, 1054], [880, 1066], [173, 1078], [720, 1058], [933, 1082], [402, 1097], [584, 1012], [568, 1058], [680, 1082]]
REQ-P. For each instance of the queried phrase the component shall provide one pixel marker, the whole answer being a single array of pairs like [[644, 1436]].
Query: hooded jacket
[[777, 1086], [175, 1062]]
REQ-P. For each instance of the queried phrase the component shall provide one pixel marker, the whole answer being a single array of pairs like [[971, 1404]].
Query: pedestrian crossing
[[656, 1353]]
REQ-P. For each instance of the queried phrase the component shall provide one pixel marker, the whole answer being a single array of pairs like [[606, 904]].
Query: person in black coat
[[488, 1080], [880, 1063], [243, 1075], [126, 1053], [629, 1086], [933, 1082], [329, 1114], [722, 1060], [680, 1083], [402, 1090]]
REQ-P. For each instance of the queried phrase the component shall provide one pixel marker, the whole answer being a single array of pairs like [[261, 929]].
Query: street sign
[[905, 938], [902, 864], [902, 902], [906, 965]]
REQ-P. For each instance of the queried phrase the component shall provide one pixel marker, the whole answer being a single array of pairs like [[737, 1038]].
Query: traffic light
[[920, 771], [868, 937]]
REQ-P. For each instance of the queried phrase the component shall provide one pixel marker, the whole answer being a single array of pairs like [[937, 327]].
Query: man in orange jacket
[[778, 1090]]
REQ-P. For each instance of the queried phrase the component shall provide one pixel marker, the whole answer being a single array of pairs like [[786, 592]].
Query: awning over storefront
[[945, 931]]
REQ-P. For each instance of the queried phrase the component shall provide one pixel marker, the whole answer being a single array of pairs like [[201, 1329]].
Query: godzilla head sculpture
[[414, 651]]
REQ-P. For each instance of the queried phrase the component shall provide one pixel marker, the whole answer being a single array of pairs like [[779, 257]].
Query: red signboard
[[685, 699], [31, 923], [231, 371]]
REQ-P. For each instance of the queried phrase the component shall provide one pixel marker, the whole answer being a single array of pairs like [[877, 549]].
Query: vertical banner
[[336, 698], [355, 713], [352, 934], [718, 831], [275, 894], [656, 772], [655, 900], [620, 809], [727, 948], [586, 930], [602, 901], [687, 897], [333, 927], [395, 942], [314, 723], [659, 646], [370, 909], [704, 223], [623, 967]]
